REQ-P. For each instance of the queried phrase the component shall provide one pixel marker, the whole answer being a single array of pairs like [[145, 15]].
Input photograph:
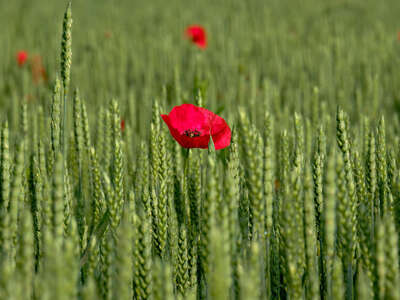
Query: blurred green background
[[259, 51]]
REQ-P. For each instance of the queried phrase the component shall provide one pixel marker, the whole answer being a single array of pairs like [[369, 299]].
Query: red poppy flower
[[122, 125], [191, 126], [22, 56], [398, 36], [197, 35]]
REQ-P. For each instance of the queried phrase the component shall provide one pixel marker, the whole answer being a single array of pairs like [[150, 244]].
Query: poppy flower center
[[196, 37], [192, 133]]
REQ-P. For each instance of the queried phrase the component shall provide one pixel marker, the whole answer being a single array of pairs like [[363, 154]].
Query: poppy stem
[[186, 167]]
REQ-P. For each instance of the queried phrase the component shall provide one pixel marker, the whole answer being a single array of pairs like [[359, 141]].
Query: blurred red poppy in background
[[277, 184], [38, 70], [107, 34], [191, 126], [398, 36], [197, 35], [22, 57], [122, 125]]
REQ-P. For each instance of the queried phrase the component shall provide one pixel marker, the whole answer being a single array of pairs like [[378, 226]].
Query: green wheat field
[[98, 201]]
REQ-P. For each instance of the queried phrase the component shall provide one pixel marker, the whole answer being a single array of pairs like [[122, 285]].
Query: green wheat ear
[[17, 195], [219, 278], [57, 198], [329, 220], [338, 290], [162, 278], [66, 60], [207, 216], [391, 259], [89, 290], [381, 156], [312, 274], [5, 166], [347, 208], [182, 264], [143, 261], [66, 48], [249, 274], [122, 277], [364, 284], [56, 117], [25, 254]]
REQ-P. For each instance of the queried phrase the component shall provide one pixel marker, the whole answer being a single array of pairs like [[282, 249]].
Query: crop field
[[199, 149]]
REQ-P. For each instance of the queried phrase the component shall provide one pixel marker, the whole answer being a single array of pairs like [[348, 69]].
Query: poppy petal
[[197, 35], [191, 126], [186, 141], [174, 132], [220, 132], [22, 56], [188, 116], [195, 142]]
